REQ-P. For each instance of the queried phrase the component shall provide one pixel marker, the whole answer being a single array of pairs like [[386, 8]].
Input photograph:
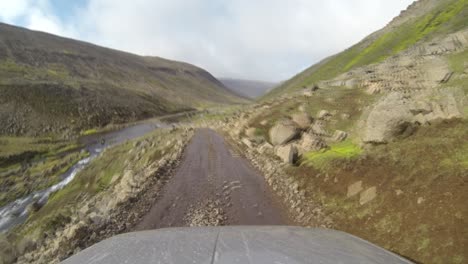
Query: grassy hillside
[[53, 84], [444, 17]]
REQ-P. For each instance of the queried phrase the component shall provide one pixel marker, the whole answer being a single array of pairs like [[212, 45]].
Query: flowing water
[[16, 212]]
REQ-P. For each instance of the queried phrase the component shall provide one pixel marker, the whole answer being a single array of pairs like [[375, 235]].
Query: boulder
[[283, 132], [286, 153], [302, 119], [318, 128], [264, 122], [368, 195], [339, 136], [311, 142], [354, 189]]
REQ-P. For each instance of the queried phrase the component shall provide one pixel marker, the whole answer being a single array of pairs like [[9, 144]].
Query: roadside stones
[[368, 195], [247, 142], [323, 114], [265, 147], [286, 153], [312, 142], [354, 189], [283, 132], [302, 119], [318, 128], [250, 132], [339, 136]]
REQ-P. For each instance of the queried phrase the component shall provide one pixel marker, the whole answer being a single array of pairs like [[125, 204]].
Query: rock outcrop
[[302, 119], [283, 132]]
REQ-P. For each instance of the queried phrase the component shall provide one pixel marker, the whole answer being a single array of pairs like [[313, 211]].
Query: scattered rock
[[265, 147], [398, 192], [354, 189], [264, 122], [283, 132], [318, 128], [345, 116], [247, 142], [311, 142], [250, 132], [339, 136], [286, 153], [421, 200], [302, 119], [323, 114], [368, 195]]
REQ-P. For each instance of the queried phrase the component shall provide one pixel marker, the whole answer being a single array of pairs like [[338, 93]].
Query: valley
[[371, 141]]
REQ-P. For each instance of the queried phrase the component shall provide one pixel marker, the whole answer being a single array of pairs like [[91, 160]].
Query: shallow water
[[16, 212]]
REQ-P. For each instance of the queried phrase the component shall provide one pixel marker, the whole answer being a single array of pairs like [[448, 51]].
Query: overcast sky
[[269, 40]]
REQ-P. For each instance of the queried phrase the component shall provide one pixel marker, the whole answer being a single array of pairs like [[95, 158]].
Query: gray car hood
[[236, 245]]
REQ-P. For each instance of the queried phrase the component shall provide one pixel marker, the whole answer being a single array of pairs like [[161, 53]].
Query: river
[[16, 212]]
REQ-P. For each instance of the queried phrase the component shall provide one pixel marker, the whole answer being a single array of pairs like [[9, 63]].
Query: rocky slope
[[53, 84], [373, 140], [115, 191], [425, 21]]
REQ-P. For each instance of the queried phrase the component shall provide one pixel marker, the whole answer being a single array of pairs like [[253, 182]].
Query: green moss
[[89, 132], [322, 159]]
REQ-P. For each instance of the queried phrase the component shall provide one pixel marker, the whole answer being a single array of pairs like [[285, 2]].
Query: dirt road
[[213, 186]]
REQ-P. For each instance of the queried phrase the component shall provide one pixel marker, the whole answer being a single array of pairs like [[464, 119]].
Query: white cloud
[[254, 39]]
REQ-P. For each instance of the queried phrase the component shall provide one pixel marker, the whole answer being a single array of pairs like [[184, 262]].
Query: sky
[[269, 40]]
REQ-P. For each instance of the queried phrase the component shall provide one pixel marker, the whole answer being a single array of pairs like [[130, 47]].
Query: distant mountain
[[247, 88], [54, 84]]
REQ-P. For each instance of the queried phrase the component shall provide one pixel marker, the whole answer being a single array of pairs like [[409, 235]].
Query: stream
[[16, 212]]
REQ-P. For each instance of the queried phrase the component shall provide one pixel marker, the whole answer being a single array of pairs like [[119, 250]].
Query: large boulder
[[302, 119], [283, 132], [287, 154]]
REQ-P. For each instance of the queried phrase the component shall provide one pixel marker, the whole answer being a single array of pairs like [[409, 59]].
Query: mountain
[[248, 88], [54, 84], [425, 21]]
